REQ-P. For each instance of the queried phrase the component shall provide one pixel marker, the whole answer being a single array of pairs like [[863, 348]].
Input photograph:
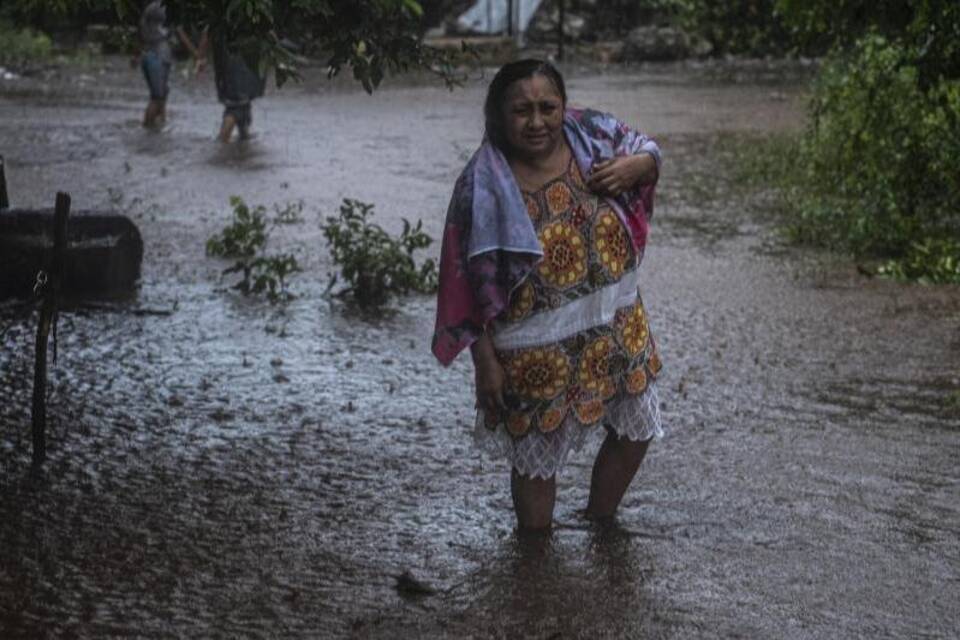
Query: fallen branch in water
[[135, 311]]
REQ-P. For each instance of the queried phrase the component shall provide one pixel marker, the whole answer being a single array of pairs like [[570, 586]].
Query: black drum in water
[[104, 252]]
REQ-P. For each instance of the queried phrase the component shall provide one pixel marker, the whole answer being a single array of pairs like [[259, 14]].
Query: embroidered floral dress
[[574, 342]]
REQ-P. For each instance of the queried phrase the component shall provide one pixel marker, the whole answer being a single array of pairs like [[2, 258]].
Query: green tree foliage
[[927, 30], [371, 37], [752, 27]]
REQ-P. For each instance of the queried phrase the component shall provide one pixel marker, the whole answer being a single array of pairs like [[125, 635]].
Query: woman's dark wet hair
[[506, 76]]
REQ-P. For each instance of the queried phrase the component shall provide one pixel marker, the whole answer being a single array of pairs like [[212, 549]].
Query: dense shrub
[[878, 163], [22, 47], [374, 264]]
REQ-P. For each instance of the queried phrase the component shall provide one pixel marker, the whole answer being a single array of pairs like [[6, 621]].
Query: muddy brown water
[[234, 469]]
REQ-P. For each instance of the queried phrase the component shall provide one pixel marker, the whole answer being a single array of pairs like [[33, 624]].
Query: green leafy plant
[[374, 264], [933, 260], [245, 240]]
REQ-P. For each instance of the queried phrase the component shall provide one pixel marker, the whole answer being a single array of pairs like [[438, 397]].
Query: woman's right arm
[[488, 374]]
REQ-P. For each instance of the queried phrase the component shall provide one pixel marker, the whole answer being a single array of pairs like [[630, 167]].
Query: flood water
[[222, 467]]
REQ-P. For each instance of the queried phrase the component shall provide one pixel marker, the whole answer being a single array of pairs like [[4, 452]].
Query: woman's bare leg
[[615, 467], [533, 500]]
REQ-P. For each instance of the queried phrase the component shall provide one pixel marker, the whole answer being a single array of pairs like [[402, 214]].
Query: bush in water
[[245, 240], [373, 263]]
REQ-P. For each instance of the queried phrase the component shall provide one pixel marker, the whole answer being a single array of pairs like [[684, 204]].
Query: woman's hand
[[613, 177], [488, 376]]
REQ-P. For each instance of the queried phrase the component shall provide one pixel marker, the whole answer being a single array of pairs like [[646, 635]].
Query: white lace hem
[[542, 455]]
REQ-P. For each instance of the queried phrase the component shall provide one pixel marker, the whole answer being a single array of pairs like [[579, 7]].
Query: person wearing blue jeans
[[156, 59]]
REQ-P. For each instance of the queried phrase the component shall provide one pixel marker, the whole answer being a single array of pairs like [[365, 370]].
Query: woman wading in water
[[539, 277]]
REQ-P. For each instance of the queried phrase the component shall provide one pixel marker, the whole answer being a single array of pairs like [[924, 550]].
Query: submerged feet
[[155, 115], [614, 469]]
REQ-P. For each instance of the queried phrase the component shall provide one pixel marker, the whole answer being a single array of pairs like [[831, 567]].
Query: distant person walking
[[156, 60], [237, 84]]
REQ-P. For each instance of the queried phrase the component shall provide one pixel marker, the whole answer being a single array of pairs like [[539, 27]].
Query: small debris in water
[[408, 584], [221, 415]]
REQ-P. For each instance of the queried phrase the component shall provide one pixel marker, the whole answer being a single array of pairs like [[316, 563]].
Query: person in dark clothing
[[237, 86]]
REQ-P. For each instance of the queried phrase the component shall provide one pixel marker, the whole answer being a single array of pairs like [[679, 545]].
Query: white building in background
[[499, 16]]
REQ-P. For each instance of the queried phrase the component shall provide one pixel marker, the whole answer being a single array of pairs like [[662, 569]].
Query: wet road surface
[[240, 470]]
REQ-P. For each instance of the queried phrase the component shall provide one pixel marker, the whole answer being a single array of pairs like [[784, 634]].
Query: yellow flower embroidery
[[558, 198], [634, 330], [540, 374], [564, 255], [551, 419], [589, 412], [611, 243], [636, 381], [522, 302], [518, 423], [594, 373], [606, 389]]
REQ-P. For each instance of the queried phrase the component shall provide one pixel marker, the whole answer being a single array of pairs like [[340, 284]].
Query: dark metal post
[[48, 314], [4, 200], [510, 17], [563, 18]]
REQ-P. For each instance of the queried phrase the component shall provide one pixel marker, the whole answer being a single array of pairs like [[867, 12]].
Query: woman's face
[[533, 114]]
